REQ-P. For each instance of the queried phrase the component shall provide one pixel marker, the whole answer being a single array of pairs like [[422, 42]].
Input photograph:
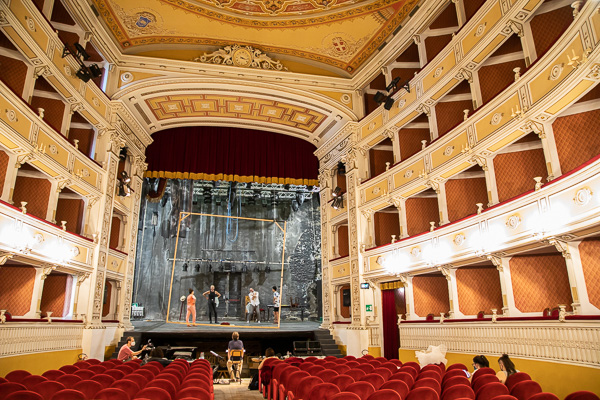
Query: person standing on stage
[[211, 295], [191, 308], [275, 305], [254, 305]]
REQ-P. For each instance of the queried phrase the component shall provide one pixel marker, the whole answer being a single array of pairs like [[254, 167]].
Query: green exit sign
[[369, 307]]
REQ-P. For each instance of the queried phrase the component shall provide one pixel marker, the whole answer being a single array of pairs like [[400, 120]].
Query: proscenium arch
[[165, 103]]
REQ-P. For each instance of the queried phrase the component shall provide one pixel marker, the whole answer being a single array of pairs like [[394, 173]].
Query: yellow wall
[[375, 351], [38, 363], [557, 378], [108, 351]]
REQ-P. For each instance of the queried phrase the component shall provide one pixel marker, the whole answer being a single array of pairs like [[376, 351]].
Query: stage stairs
[[328, 345]]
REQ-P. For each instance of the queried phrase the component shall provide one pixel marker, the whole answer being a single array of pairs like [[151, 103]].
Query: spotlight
[[338, 203], [379, 97], [197, 268], [389, 103], [341, 168], [81, 53], [125, 177], [407, 87], [84, 74], [185, 267], [336, 191], [123, 154], [95, 70], [393, 84]]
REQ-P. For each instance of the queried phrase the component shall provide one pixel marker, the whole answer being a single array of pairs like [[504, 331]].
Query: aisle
[[235, 391]]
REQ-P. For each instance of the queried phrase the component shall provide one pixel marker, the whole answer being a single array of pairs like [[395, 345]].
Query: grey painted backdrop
[[234, 257]]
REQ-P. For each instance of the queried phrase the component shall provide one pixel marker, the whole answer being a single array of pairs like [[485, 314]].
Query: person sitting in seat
[[126, 354], [507, 368], [234, 344], [157, 355]]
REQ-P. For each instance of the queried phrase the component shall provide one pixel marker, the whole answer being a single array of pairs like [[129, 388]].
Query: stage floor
[[204, 326]]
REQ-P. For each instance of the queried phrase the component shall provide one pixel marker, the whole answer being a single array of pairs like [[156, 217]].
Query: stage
[[241, 326]]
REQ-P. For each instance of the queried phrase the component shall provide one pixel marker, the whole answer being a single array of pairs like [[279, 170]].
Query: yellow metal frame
[[183, 216]]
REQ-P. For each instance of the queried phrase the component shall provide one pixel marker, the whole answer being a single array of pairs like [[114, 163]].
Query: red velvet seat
[[293, 381], [195, 393], [403, 376], [140, 379], [7, 388], [326, 375], [84, 374], [412, 364], [127, 368], [356, 374], [456, 380], [148, 374], [168, 386], [284, 380], [195, 374], [172, 376], [385, 394], [524, 390], [347, 358], [345, 396], [430, 383], [399, 387], [69, 380], [367, 368], [423, 393], [103, 379], [156, 365], [93, 361], [381, 359], [305, 365], [313, 369], [582, 395], [393, 368], [362, 360], [69, 394], [276, 379], [82, 364], [410, 370], [97, 369], [515, 378], [152, 368], [375, 363], [323, 391], [52, 374], [88, 388], [481, 380], [68, 369], [398, 363], [153, 393], [362, 389], [384, 372], [342, 381], [352, 364], [128, 386], [432, 374], [374, 379], [482, 371], [112, 394], [544, 396], [32, 380], [491, 390], [319, 361], [48, 388], [304, 387], [329, 365], [432, 367], [23, 395], [457, 366], [454, 373], [368, 357], [17, 375], [115, 373], [340, 369], [456, 392], [505, 397]]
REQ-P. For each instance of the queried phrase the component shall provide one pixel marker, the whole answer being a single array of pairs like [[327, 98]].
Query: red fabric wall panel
[[435, 44], [449, 114], [344, 310], [13, 73], [411, 54], [232, 151], [377, 160], [36, 192], [515, 172], [53, 110], [419, 212], [107, 298], [495, 78], [3, 169], [462, 195], [471, 7], [446, 19], [114, 233], [386, 225], [548, 27], [431, 295], [478, 290], [540, 282], [342, 235], [589, 250], [410, 141], [54, 294], [577, 139], [70, 210], [16, 289], [85, 137]]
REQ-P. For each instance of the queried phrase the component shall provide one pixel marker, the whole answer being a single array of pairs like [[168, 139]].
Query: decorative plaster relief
[[583, 196]]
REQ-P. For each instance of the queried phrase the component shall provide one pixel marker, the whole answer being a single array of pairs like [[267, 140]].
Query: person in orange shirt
[[191, 308]]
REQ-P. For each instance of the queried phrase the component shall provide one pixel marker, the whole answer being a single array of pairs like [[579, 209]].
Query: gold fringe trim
[[231, 178]]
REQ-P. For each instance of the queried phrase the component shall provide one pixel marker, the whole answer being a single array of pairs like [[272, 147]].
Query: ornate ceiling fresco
[[334, 35]]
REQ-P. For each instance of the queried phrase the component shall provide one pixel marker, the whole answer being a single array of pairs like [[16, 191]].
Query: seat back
[[458, 392], [111, 394], [305, 386], [153, 393], [362, 389], [481, 380], [423, 393], [23, 395], [399, 387], [515, 378], [326, 374], [168, 386], [294, 380], [356, 374], [128, 386], [345, 396], [69, 380], [385, 394], [52, 374], [384, 372], [483, 371], [403, 376], [17, 375], [88, 387], [430, 383], [582, 395], [342, 381], [32, 380], [69, 394], [48, 388], [524, 390], [544, 396], [432, 374], [7, 388], [196, 393], [373, 379], [456, 380], [491, 390], [323, 391], [457, 366]]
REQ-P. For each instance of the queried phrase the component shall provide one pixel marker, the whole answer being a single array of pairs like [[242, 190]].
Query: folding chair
[[236, 356]]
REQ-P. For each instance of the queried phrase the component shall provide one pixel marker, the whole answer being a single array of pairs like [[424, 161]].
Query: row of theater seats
[[113, 380], [369, 378]]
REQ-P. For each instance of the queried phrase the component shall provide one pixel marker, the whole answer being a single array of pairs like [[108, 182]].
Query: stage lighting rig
[[338, 203], [379, 97], [336, 191], [393, 84], [84, 72], [185, 267], [389, 103], [341, 168], [123, 185]]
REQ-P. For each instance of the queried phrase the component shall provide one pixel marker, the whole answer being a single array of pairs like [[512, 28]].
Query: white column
[[400, 204], [335, 246], [80, 279], [475, 90], [53, 202], [40, 276], [442, 203], [508, 299], [528, 44], [460, 12], [550, 152], [432, 119], [420, 42], [10, 178], [409, 298], [490, 181], [450, 275]]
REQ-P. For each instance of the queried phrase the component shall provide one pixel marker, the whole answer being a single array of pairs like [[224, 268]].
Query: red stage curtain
[[232, 154], [391, 337]]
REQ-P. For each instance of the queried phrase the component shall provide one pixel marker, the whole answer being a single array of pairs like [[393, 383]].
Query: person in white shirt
[[254, 305], [275, 305]]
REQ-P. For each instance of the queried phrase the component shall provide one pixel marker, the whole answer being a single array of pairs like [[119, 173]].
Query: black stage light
[[123, 154], [389, 103], [185, 267], [379, 97], [407, 87], [84, 74], [81, 52], [341, 168], [95, 70], [393, 84], [122, 191], [336, 191]]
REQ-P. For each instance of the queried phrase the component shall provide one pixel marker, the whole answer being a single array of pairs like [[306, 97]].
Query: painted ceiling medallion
[[583, 196], [241, 56]]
